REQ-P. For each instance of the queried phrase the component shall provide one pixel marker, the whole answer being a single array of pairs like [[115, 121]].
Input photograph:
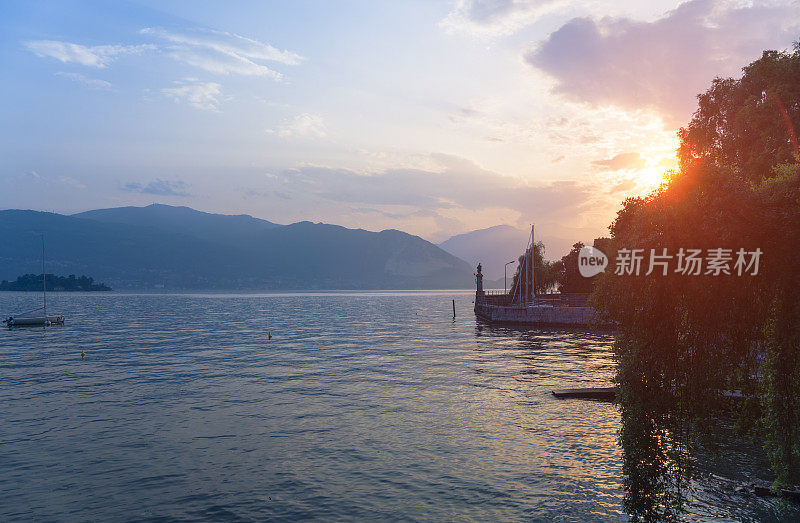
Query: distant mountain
[[180, 248], [495, 246], [491, 247], [124, 256], [223, 228]]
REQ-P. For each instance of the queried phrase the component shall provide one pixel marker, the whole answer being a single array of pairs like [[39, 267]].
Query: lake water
[[361, 406]]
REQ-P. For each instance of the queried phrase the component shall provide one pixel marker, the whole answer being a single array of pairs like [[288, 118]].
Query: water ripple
[[361, 406]]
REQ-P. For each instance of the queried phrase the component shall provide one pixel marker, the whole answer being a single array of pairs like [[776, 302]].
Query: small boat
[[36, 317], [33, 318], [594, 393]]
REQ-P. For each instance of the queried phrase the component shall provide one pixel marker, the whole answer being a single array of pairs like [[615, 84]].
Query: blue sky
[[431, 117]]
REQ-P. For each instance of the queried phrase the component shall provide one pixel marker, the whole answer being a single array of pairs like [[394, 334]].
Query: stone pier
[[543, 309]]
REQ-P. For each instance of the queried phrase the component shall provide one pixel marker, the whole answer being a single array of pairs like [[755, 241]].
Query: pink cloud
[[661, 65]]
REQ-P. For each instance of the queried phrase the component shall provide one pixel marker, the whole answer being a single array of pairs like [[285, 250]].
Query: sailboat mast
[[533, 259], [44, 285], [525, 276]]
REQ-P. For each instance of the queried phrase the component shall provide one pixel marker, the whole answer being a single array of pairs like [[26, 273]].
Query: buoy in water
[[270, 335], [82, 354]]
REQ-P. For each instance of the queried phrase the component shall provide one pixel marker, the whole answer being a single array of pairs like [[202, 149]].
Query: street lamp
[[505, 285]]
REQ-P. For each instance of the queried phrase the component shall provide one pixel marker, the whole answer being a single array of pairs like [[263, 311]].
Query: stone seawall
[[543, 315]]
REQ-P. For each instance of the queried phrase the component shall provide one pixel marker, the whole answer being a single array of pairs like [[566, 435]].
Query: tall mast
[[44, 285], [533, 273], [525, 276]]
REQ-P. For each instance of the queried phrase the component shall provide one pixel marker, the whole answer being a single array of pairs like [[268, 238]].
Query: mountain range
[[494, 246], [161, 246]]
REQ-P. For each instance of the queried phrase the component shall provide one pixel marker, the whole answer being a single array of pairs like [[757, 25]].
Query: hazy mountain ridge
[[494, 246], [222, 228], [119, 254], [180, 248]]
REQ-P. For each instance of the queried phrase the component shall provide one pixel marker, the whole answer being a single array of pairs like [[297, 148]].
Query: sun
[[650, 178], [654, 173]]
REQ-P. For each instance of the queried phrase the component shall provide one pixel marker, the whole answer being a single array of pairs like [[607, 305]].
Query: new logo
[[591, 261]]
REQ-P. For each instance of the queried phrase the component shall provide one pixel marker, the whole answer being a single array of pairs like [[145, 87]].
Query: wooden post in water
[[454, 309]]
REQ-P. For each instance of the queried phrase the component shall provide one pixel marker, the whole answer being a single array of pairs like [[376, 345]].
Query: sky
[[432, 117]]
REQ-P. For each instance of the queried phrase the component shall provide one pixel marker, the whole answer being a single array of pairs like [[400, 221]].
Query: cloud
[[303, 125], [393, 215], [496, 17], [92, 83], [48, 180], [72, 182], [95, 56], [660, 65], [669, 163], [223, 53], [459, 185], [214, 51], [158, 187], [202, 95], [625, 185], [621, 161]]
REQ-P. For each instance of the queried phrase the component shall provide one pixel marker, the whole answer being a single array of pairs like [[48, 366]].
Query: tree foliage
[[748, 124], [685, 340], [562, 275], [33, 282], [569, 277], [545, 273]]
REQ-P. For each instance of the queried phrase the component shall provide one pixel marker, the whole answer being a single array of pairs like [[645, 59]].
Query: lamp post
[[505, 277]]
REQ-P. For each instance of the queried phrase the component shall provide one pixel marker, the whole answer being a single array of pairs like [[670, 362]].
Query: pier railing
[[555, 299]]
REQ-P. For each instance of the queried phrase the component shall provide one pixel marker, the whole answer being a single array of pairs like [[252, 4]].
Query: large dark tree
[[748, 124], [685, 340], [570, 279]]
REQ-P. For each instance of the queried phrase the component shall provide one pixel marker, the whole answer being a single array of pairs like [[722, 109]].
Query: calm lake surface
[[361, 406]]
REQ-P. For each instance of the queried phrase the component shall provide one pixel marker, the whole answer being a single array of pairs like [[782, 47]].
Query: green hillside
[[180, 248]]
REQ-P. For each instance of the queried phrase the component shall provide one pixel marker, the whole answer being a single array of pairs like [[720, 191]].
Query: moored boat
[[33, 320], [36, 317]]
